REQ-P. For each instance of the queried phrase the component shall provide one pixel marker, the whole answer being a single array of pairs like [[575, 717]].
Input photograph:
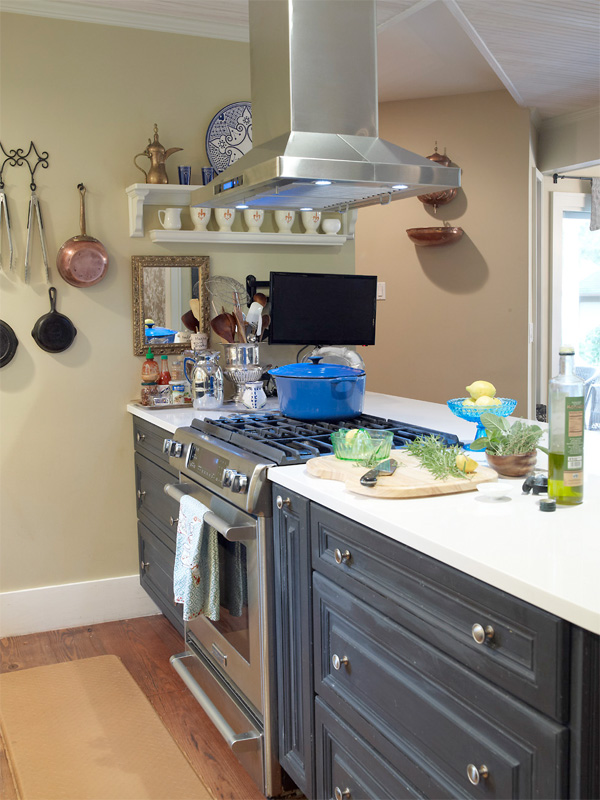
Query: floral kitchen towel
[[196, 573]]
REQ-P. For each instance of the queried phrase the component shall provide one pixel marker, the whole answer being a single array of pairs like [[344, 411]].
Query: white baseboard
[[50, 608]]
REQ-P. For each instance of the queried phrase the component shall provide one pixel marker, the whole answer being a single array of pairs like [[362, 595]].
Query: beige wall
[[457, 313], [89, 95], [569, 141]]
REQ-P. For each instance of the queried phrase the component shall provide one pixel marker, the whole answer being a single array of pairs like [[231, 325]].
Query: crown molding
[[82, 12], [571, 118]]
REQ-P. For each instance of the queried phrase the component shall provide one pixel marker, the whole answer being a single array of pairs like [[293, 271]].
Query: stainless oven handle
[[238, 742], [233, 533]]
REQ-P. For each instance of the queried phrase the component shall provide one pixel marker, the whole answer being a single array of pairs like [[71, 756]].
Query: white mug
[[284, 220], [311, 221], [200, 217], [254, 395], [171, 218], [254, 218], [224, 217]]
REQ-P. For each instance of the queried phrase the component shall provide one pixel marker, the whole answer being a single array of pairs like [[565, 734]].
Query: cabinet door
[[293, 632], [156, 574], [153, 505]]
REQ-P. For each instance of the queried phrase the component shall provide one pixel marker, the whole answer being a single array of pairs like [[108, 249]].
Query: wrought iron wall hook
[[17, 158]]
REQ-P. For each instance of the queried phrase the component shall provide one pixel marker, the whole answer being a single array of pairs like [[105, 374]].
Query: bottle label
[[573, 464]]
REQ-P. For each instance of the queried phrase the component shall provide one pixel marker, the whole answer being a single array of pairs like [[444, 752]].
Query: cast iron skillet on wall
[[54, 332], [8, 343]]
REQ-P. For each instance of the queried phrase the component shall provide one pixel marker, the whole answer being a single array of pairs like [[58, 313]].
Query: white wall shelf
[[243, 237], [170, 194]]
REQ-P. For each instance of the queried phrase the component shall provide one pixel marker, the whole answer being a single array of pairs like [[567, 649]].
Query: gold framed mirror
[[162, 289]]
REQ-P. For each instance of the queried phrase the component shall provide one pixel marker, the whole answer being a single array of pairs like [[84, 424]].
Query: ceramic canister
[[284, 220], [311, 220], [200, 217], [224, 217]]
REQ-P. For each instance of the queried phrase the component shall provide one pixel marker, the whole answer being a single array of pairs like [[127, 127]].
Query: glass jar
[[148, 393]]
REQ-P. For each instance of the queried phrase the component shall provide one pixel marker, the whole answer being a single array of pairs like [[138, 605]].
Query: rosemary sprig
[[436, 456]]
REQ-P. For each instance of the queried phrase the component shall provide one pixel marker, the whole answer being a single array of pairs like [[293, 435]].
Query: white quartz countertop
[[551, 560]]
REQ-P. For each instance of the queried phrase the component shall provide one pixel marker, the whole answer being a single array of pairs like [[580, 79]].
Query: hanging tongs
[[4, 213], [34, 208]]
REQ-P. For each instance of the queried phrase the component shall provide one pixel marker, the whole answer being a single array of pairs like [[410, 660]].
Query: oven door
[[233, 642]]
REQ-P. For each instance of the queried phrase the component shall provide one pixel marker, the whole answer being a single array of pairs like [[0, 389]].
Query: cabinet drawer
[[428, 705], [527, 651], [156, 574], [347, 763], [153, 504], [148, 439]]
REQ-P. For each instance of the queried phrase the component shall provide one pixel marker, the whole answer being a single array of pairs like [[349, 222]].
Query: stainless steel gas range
[[229, 664]]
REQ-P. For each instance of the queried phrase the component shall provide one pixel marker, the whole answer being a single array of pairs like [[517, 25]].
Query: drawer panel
[[347, 763], [152, 502], [156, 574], [148, 439], [527, 653], [439, 711]]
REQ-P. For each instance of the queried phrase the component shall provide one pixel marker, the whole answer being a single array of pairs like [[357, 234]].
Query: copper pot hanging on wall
[[436, 199]]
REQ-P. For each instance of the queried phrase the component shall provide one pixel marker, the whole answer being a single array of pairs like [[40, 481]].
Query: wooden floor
[[144, 646]]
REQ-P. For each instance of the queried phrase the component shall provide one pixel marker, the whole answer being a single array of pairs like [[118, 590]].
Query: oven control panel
[[208, 465]]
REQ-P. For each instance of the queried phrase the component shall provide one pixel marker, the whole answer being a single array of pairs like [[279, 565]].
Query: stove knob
[[228, 476], [240, 483], [177, 449], [167, 445]]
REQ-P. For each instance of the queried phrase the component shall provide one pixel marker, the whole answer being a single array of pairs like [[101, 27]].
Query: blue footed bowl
[[473, 414]]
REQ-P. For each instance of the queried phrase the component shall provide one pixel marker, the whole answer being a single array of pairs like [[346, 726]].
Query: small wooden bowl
[[434, 237], [513, 466]]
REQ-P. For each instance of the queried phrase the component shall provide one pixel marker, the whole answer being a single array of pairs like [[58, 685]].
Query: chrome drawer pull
[[339, 794], [340, 557], [481, 634], [144, 565], [140, 495], [140, 437], [280, 502], [475, 775], [173, 520], [337, 661]]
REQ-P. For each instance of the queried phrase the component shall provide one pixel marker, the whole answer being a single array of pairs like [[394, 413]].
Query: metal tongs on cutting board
[[4, 210], [387, 467], [34, 207]]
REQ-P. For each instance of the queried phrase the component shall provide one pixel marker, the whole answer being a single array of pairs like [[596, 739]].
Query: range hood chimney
[[315, 118]]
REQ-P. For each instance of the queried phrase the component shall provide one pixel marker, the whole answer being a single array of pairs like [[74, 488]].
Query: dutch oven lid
[[316, 371]]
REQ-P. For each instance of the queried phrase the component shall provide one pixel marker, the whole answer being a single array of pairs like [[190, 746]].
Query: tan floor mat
[[84, 730]]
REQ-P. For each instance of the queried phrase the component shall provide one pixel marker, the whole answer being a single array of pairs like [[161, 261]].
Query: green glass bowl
[[364, 447]]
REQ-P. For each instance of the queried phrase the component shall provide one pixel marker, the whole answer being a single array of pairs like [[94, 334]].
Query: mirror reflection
[[170, 301]]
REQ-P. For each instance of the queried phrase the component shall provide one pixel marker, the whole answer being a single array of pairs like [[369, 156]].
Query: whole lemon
[[465, 464], [469, 402], [479, 388], [484, 400]]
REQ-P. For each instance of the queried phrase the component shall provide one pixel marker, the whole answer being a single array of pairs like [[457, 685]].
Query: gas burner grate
[[287, 441]]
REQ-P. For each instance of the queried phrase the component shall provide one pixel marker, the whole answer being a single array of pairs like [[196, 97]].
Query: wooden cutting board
[[409, 479]]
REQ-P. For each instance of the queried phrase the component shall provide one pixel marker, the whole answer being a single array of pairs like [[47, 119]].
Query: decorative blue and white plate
[[229, 135]]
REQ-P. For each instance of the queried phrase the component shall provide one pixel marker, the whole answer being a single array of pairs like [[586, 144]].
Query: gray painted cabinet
[[423, 681], [157, 519]]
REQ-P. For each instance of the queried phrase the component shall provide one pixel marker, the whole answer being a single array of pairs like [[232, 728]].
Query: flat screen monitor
[[322, 309]]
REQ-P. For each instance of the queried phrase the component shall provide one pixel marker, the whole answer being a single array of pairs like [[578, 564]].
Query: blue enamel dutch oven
[[325, 392]]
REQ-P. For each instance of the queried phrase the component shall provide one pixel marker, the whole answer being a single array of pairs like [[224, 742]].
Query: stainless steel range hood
[[314, 116]]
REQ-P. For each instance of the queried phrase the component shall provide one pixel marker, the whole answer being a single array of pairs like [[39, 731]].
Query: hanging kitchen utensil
[[4, 212], [34, 208], [8, 343], [82, 260], [436, 199], [54, 332]]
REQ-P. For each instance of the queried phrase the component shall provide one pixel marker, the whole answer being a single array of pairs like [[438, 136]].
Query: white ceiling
[[546, 53]]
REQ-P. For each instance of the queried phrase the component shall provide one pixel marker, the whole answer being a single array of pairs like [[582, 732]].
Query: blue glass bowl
[[473, 413]]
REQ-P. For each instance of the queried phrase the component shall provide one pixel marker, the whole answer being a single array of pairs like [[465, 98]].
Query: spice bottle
[[165, 376], [150, 370], [565, 417]]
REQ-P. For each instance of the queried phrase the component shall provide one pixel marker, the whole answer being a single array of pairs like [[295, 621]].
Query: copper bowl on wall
[[434, 237]]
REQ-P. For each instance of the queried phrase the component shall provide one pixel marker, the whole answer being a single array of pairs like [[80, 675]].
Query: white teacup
[[311, 221], [254, 218], [331, 226], [170, 219], [200, 217], [284, 220], [224, 217]]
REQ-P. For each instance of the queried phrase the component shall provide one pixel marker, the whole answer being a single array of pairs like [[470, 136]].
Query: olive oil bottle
[[565, 416]]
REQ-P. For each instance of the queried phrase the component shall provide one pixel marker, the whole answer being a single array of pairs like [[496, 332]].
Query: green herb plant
[[503, 439], [436, 456]]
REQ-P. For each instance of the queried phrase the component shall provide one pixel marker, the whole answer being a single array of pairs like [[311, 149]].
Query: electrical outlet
[[381, 290]]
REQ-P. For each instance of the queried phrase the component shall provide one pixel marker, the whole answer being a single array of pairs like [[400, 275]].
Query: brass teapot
[[157, 155]]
